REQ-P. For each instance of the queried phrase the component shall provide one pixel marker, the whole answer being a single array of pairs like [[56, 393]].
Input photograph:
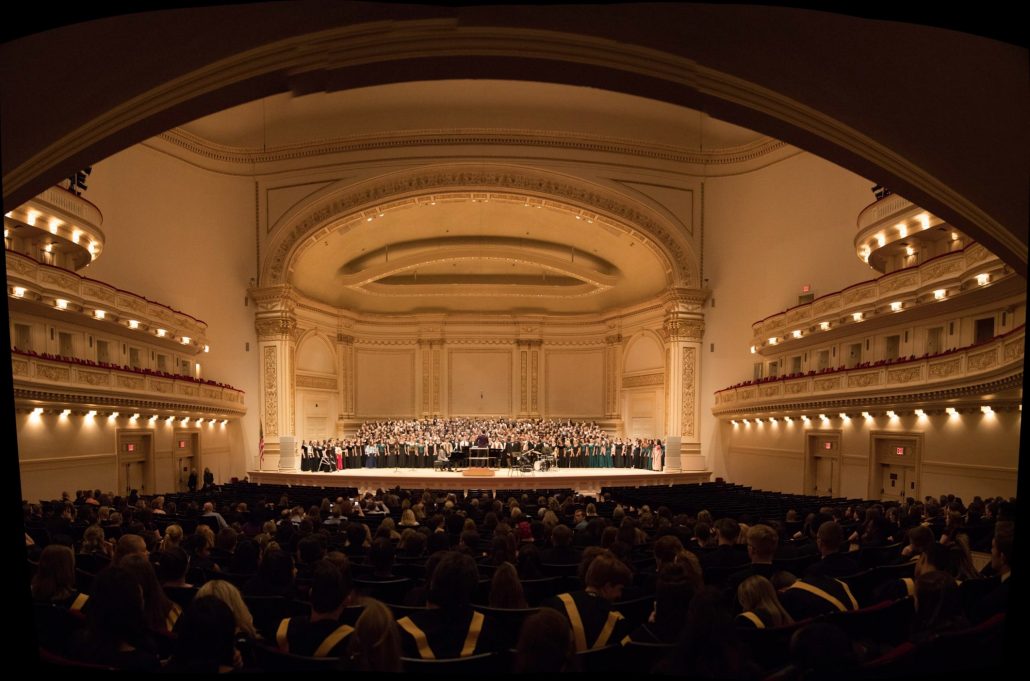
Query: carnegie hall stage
[[585, 480]]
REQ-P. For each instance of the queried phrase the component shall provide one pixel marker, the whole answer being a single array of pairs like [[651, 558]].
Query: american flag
[[261, 443]]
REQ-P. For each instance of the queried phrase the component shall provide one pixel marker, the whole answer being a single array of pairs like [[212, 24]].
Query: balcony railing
[[963, 365]]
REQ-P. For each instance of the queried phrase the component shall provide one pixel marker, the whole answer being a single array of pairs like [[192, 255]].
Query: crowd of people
[[162, 596], [423, 443]]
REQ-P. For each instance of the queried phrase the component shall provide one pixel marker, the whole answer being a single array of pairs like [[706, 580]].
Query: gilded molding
[[674, 330], [316, 382], [688, 407], [271, 390], [864, 380], [906, 375], [983, 360], [277, 328], [644, 380]]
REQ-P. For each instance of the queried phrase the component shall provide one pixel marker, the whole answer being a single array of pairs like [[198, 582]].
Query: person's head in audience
[[172, 537], [506, 589], [453, 582], [436, 542], [114, 618], [356, 538], [128, 545], [328, 593], [938, 605], [529, 562], [310, 550], [578, 516], [829, 538], [155, 603], [93, 541], [55, 576], [561, 536], [936, 557], [756, 594], [470, 542], [708, 646], [245, 557], [226, 539], [607, 576], [1002, 558], [545, 644], [673, 590], [206, 637], [276, 568], [376, 643], [381, 557], [227, 592], [782, 579], [171, 566], [919, 538], [822, 651], [207, 533], [761, 543], [691, 566], [727, 531], [609, 536]]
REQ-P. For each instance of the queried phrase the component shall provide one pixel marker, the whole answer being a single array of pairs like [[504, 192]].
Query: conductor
[[482, 440]]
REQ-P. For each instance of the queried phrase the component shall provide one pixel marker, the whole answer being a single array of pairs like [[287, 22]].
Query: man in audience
[[210, 512], [728, 552], [595, 623], [814, 596], [321, 634], [761, 547], [450, 627], [129, 545], [832, 562], [997, 600], [561, 551]]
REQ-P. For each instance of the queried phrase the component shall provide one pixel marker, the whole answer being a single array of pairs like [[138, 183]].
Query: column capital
[[682, 299], [613, 339], [279, 327], [682, 327], [273, 298]]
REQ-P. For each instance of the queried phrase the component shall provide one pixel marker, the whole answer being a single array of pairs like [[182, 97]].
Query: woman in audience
[[408, 518], [938, 606], [54, 581], [709, 647], [506, 589], [206, 643], [274, 576], [116, 632], [244, 560], [761, 608], [673, 592], [172, 537], [159, 612], [226, 592], [94, 544], [545, 644], [375, 645]]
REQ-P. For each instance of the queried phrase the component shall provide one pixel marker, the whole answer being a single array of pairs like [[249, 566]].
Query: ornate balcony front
[[58, 223], [994, 368]]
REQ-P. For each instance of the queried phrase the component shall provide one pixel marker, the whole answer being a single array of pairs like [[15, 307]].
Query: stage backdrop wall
[[385, 382], [479, 382]]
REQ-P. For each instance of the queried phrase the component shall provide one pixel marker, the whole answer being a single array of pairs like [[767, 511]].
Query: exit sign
[[807, 288], [182, 444], [827, 445], [900, 451]]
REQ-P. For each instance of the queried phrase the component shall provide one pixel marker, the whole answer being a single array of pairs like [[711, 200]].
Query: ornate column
[[682, 331], [345, 372], [613, 381], [528, 362], [277, 343], [430, 352]]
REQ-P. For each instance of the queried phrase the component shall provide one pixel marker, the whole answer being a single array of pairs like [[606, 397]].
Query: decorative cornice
[[679, 329], [644, 380], [317, 382], [141, 404], [547, 139], [276, 328]]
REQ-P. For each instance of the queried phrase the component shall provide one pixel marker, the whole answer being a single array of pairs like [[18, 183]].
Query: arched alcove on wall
[[643, 386]]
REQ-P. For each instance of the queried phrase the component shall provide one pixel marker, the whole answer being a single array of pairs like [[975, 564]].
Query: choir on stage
[[423, 443]]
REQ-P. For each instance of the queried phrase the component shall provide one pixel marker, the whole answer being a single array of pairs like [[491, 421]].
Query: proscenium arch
[[343, 204], [884, 121]]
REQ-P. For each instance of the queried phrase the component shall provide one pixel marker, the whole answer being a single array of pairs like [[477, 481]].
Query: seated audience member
[[381, 557], [94, 544], [210, 512], [244, 559], [506, 589], [1002, 560], [171, 567], [129, 545], [198, 546], [172, 537], [761, 547], [933, 557], [310, 550], [673, 590], [814, 596], [708, 646], [938, 606], [545, 644], [321, 634], [375, 645], [228, 593], [595, 623], [832, 562], [823, 651], [529, 566], [761, 608], [727, 553], [116, 633], [919, 537], [450, 627], [54, 581], [274, 576], [225, 545], [159, 612], [206, 641]]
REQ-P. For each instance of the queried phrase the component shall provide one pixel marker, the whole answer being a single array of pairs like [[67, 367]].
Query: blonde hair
[[228, 593], [207, 533], [756, 594], [376, 639], [408, 517], [172, 538]]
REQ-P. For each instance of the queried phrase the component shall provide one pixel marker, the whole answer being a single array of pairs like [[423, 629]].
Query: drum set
[[531, 461]]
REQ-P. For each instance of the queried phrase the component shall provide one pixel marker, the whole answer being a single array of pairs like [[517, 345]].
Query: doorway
[[896, 465], [135, 459], [186, 454], [822, 462]]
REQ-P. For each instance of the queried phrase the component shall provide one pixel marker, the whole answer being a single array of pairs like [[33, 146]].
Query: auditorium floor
[[584, 480]]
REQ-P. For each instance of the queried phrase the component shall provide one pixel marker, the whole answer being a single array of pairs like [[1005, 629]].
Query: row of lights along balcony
[[896, 306], [104, 315], [953, 412], [113, 416]]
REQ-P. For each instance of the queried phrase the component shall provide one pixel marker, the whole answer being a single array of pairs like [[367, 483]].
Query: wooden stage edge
[[585, 479]]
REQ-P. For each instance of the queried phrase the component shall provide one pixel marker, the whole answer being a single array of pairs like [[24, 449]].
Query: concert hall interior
[[655, 219]]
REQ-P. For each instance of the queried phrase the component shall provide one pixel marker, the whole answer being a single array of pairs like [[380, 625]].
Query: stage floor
[[584, 480]]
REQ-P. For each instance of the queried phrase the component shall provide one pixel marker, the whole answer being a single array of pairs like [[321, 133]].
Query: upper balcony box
[[57, 228], [894, 233]]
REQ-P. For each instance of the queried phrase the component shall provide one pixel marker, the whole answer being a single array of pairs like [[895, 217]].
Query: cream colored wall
[[479, 382], [767, 233], [385, 382], [184, 237], [574, 382], [58, 454], [967, 454]]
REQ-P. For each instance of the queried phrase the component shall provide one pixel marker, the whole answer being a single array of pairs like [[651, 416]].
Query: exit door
[[898, 482]]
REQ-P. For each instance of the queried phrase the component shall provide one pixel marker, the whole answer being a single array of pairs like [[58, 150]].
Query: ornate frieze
[[945, 369], [794, 387], [823, 384], [940, 268], [982, 360], [688, 393], [643, 381], [769, 390], [276, 327], [679, 329], [864, 380], [858, 294], [271, 391], [53, 373], [93, 377], [19, 367], [906, 375], [317, 382], [1013, 350], [891, 284]]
